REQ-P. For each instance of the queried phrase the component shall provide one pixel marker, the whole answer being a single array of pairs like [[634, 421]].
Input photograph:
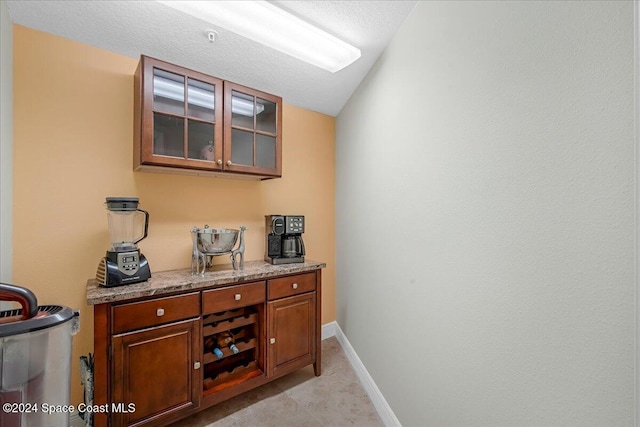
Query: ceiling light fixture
[[267, 24]]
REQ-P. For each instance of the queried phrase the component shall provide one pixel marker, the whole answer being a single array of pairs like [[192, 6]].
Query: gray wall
[[6, 142], [485, 215]]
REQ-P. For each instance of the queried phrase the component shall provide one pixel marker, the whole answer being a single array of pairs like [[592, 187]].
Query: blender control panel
[[128, 262]]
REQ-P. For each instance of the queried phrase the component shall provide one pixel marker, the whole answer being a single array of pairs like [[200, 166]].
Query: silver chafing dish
[[210, 242]]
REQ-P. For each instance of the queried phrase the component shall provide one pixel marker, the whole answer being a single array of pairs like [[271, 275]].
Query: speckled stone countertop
[[165, 282]]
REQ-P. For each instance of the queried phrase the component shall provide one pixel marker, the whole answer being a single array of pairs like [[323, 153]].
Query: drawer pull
[[196, 366], [160, 312], [295, 286], [238, 296], [272, 341]]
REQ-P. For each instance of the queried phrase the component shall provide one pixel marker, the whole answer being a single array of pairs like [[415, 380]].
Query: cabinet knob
[[219, 162], [238, 296], [229, 162], [196, 366], [160, 312], [294, 286], [272, 341]]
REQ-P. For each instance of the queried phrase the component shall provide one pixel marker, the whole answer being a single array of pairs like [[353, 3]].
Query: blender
[[128, 225]]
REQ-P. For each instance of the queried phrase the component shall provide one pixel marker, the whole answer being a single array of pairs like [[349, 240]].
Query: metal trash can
[[35, 361]]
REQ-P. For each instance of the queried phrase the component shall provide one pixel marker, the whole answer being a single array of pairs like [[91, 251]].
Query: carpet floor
[[300, 399]]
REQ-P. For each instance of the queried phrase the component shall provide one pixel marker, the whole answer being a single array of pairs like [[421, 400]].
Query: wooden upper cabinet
[[186, 121], [252, 136], [179, 121]]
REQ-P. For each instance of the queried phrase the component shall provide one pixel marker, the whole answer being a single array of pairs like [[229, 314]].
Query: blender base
[[110, 273]]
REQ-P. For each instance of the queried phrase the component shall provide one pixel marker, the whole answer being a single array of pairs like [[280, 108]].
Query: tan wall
[[73, 127]]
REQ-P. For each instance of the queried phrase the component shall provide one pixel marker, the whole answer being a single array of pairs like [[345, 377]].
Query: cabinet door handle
[[272, 341], [160, 312], [238, 296], [219, 162], [229, 162], [295, 286], [196, 366]]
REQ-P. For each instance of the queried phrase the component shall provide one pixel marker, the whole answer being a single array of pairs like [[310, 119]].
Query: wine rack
[[220, 373]]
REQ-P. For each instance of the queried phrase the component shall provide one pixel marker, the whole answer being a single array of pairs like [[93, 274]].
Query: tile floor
[[299, 399]]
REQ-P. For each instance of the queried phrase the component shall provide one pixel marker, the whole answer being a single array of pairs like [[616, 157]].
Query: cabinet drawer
[[217, 300], [292, 285], [137, 315]]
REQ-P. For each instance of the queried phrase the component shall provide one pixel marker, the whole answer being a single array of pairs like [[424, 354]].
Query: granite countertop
[[165, 282]]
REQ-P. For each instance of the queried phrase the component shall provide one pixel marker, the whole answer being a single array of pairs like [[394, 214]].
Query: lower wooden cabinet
[[155, 358], [157, 371], [291, 333]]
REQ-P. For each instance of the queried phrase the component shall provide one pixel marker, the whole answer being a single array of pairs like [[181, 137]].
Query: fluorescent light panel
[[267, 24]]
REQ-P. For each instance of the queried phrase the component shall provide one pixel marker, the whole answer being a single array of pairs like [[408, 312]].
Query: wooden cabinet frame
[[111, 349], [143, 117], [144, 158], [228, 128]]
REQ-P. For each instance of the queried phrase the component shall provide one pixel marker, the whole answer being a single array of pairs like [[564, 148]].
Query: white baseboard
[[75, 420], [387, 416], [329, 330]]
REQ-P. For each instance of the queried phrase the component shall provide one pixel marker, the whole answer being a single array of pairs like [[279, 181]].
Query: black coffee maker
[[283, 240]]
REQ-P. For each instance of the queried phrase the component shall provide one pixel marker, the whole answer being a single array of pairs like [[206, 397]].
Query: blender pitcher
[[128, 225]]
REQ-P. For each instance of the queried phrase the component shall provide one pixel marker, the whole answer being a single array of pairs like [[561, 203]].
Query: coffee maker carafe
[[283, 240], [128, 225]]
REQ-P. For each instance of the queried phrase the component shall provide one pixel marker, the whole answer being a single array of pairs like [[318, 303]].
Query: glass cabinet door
[[184, 112], [188, 120], [168, 114], [252, 131], [201, 123]]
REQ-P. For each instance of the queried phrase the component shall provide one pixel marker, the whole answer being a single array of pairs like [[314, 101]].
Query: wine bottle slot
[[225, 339], [207, 383]]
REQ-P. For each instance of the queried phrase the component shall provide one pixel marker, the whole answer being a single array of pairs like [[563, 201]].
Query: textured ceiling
[[133, 28]]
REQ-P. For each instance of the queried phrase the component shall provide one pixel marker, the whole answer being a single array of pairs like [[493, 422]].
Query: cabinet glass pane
[[201, 100], [201, 140], [168, 92], [265, 151], [168, 136], [267, 114], [242, 107], [242, 147]]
